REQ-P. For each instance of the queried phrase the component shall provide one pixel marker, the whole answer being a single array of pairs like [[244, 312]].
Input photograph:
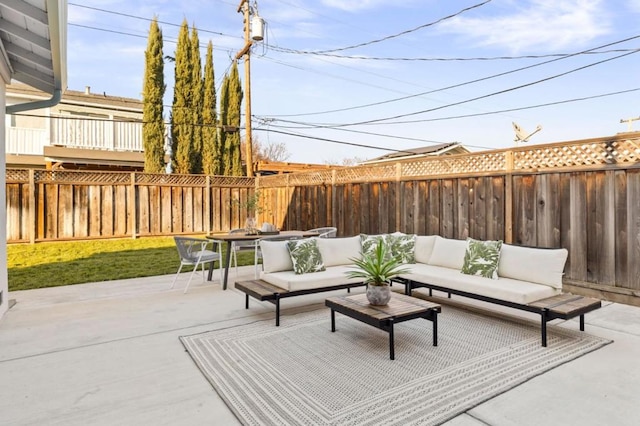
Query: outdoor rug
[[303, 374]]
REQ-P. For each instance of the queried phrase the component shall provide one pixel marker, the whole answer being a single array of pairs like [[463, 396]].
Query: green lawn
[[76, 262]]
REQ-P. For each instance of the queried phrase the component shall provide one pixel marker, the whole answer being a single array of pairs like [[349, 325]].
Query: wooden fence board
[[95, 210], [463, 209], [448, 203], [621, 248], [107, 211], [633, 226], [121, 213], [65, 211], [81, 211], [578, 227]]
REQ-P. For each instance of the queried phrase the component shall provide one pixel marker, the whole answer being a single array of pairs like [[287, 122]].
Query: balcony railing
[[76, 133]]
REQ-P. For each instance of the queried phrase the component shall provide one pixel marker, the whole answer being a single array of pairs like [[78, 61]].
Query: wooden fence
[[582, 195], [47, 205]]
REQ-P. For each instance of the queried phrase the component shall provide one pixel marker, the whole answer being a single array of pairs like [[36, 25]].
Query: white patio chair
[[325, 232], [193, 251], [237, 246]]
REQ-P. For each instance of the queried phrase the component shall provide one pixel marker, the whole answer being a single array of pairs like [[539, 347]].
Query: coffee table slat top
[[399, 305]]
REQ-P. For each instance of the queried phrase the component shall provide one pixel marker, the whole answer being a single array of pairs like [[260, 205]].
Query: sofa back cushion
[[339, 251], [536, 265], [275, 256], [424, 247], [448, 253]]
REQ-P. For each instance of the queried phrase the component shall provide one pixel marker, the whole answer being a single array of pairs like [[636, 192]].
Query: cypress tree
[[235, 103], [211, 153], [181, 114], [225, 163], [196, 103], [152, 99]]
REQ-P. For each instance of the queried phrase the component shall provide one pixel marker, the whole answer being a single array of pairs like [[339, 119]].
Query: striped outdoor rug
[[302, 374]]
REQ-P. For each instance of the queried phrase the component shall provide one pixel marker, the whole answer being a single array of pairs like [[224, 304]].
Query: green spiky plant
[[378, 268]]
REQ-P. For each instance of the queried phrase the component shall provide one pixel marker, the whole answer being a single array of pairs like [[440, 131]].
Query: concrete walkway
[[108, 354]]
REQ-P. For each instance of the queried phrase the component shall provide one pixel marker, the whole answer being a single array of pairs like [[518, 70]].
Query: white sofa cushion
[[339, 251], [291, 281], [448, 252], [424, 247], [536, 265], [275, 256], [516, 291]]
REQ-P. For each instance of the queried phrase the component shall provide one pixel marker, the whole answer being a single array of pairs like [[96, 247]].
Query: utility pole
[[246, 51]]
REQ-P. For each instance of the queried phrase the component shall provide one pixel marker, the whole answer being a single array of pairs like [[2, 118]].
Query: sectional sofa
[[504, 274]]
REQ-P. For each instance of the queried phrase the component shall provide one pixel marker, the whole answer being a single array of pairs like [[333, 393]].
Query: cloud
[[543, 24], [357, 5]]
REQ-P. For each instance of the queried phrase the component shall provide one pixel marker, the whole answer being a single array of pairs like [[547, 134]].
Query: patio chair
[[325, 232], [193, 251], [237, 246]]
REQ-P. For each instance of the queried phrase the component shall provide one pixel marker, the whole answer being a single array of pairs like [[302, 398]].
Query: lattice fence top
[[620, 150]]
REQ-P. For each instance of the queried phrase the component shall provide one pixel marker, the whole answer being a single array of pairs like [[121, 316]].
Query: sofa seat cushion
[[291, 281], [516, 291]]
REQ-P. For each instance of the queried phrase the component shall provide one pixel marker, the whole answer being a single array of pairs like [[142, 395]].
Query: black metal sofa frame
[[564, 306]]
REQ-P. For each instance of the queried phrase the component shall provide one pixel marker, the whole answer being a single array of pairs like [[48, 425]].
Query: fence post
[[508, 197], [132, 206], [398, 197], [207, 205], [32, 206]]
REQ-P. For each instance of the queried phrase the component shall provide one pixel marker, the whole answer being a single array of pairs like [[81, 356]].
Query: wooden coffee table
[[399, 309]]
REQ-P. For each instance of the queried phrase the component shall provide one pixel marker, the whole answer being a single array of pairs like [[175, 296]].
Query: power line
[[127, 15], [500, 92], [436, 59], [400, 33], [477, 80]]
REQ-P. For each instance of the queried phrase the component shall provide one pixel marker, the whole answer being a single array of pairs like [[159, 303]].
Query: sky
[[337, 80]]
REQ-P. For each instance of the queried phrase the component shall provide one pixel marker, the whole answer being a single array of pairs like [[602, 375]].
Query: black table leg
[[333, 321], [392, 352], [435, 328]]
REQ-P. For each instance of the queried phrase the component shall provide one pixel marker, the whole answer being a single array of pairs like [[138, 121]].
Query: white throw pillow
[[536, 265], [275, 256], [424, 247], [339, 251], [448, 253]]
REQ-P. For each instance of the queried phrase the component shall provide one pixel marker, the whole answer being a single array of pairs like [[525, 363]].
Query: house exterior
[[33, 50], [451, 148], [84, 130]]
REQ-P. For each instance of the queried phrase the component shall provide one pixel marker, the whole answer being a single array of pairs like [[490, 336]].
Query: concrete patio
[[108, 353]]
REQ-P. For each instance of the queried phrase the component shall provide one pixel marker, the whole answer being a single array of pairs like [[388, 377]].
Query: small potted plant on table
[[377, 269]]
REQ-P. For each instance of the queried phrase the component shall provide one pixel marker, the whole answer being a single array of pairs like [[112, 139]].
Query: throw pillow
[[305, 256], [370, 242], [402, 247], [481, 258]]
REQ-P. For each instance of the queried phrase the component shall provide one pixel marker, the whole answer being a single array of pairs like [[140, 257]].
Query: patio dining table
[[230, 238]]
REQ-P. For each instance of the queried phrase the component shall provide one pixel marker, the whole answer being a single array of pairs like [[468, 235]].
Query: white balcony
[[76, 133]]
